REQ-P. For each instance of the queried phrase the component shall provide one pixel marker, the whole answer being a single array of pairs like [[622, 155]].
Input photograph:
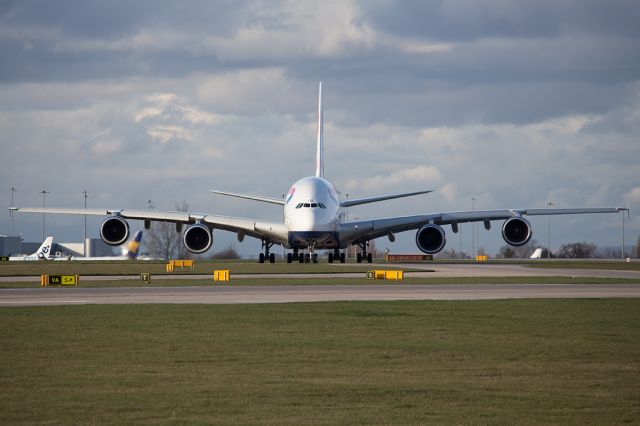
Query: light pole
[[11, 211], [44, 193], [549, 204], [85, 194], [622, 252], [473, 229]]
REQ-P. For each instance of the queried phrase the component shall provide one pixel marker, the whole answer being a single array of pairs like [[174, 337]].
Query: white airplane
[[129, 252], [43, 253], [312, 220]]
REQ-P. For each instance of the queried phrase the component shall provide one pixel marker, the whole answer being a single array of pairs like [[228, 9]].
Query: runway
[[311, 293]]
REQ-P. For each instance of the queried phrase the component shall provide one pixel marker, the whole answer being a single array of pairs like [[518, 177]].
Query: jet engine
[[430, 239], [516, 231], [114, 231], [197, 238]]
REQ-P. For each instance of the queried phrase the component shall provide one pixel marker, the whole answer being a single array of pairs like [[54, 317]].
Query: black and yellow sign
[[145, 278], [62, 280]]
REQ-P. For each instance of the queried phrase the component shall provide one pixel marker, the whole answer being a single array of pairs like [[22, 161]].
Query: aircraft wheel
[[330, 257], [272, 258], [261, 258], [314, 258], [307, 258], [359, 258], [289, 258], [343, 257], [369, 257], [301, 258]]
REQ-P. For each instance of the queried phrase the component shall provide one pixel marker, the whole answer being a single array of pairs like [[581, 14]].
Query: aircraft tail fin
[[320, 143], [536, 254], [134, 246], [45, 249]]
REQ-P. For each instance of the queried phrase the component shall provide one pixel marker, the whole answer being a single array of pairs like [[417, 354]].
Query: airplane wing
[[360, 201], [274, 231], [251, 197], [370, 229]]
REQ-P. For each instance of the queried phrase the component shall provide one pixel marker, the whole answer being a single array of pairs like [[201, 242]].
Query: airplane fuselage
[[312, 214]]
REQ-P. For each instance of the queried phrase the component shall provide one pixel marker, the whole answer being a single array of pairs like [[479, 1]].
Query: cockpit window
[[311, 205]]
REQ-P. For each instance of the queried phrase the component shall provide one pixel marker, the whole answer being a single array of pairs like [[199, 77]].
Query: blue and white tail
[[320, 146], [133, 247]]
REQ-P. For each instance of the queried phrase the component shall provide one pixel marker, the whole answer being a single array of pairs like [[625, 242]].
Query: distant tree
[[507, 252], [510, 252], [581, 250], [545, 253], [228, 253], [447, 254], [638, 248], [163, 240]]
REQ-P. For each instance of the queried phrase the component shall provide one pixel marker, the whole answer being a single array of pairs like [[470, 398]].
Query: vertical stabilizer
[[320, 146], [134, 246], [45, 249]]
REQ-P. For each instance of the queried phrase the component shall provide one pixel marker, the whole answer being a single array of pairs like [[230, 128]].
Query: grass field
[[508, 362]]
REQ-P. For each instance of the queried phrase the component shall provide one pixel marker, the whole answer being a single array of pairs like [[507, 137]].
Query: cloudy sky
[[513, 103]]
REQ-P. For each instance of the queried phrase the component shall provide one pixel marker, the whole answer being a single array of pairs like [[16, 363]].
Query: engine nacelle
[[114, 231], [430, 239], [516, 231], [198, 238]]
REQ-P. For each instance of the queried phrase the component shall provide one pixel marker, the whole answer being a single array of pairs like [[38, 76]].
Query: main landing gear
[[267, 255], [337, 256], [293, 257], [364, 254], [309, 257]]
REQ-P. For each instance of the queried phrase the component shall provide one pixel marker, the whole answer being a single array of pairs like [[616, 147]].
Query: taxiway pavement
[[310, 293]]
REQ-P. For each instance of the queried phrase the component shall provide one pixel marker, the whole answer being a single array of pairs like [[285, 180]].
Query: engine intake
[[430, 239], [198, 238], [516, 231], [114, 231]]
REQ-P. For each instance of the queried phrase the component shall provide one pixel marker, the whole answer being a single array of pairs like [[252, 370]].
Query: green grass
[[509, 362]]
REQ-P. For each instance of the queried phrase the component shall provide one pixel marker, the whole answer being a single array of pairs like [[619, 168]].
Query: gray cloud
[[515, 103]]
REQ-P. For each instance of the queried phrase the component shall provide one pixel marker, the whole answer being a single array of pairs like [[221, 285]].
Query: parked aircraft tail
[[536, 254], [44, 252], [132, 249]]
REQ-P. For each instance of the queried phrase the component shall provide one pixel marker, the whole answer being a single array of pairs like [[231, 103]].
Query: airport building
[[12, 246]]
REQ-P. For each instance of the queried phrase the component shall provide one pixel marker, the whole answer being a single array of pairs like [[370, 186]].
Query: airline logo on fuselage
[[290, 195]]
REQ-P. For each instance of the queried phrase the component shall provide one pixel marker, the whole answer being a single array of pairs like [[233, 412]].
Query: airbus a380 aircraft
[[312, 220]]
